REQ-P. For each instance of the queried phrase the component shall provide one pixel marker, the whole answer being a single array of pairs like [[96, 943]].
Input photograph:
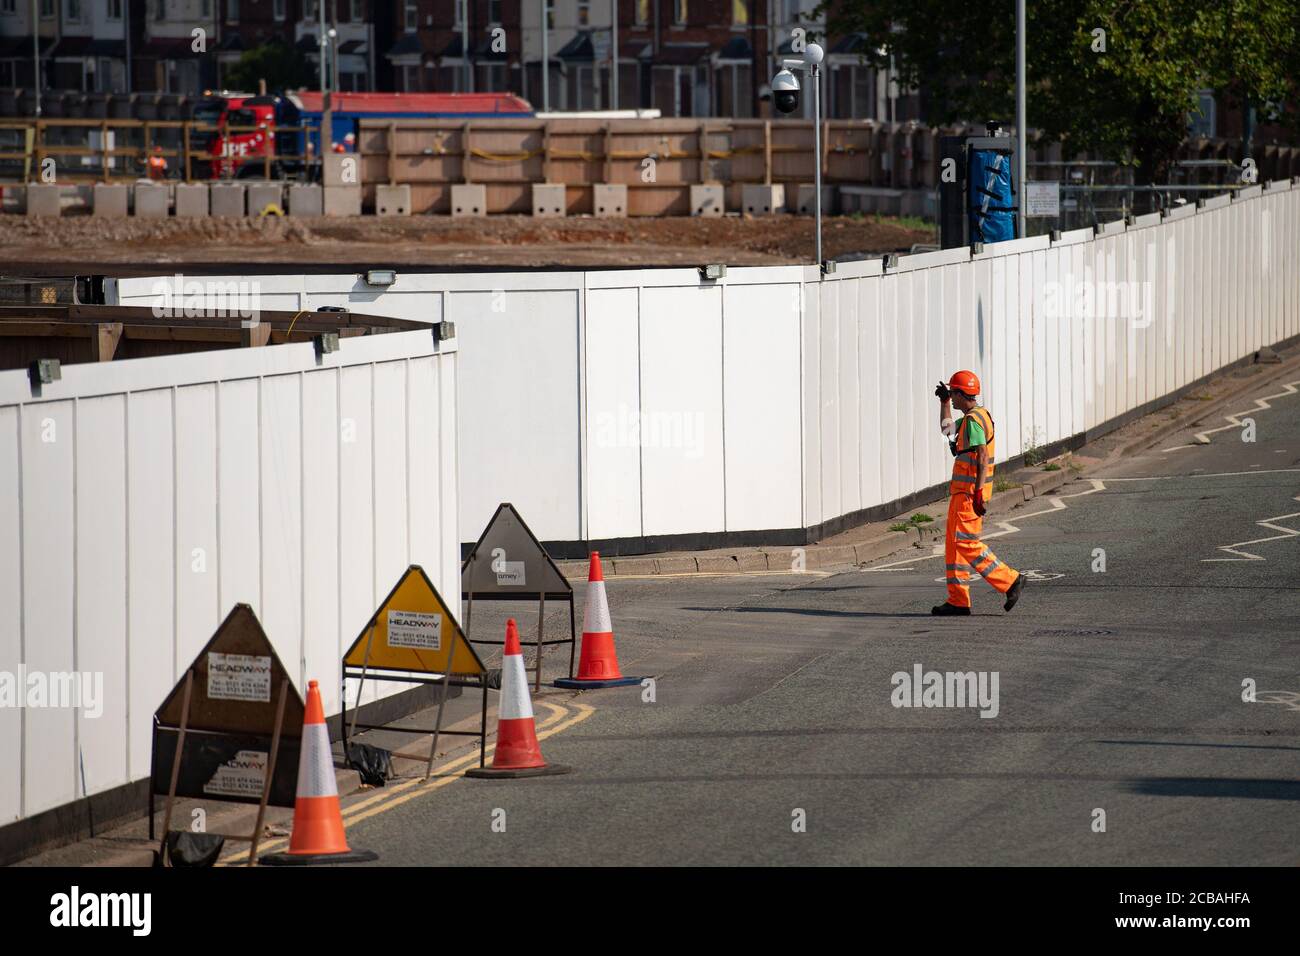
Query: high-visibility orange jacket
[[967, 461]]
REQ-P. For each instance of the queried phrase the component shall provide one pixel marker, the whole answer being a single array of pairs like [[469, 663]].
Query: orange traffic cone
[[317, 820], [517, 752], [598, 666]]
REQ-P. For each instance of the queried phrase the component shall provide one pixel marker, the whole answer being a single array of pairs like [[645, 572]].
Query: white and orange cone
[[317, 819], [598, 665], [517, 752]]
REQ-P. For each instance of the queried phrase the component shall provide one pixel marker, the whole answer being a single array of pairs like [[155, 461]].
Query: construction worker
[[157, 164], [972, 443]]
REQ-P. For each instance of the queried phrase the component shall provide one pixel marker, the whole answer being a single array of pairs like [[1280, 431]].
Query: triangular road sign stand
[[413, 638], [508, 563], [233, 696]]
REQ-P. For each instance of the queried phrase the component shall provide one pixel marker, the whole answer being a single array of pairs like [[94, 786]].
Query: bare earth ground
[[438, 241]]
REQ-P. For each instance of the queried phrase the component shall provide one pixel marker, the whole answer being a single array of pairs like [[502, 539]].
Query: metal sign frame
[[403, 675], [183, 728], [468, 594]]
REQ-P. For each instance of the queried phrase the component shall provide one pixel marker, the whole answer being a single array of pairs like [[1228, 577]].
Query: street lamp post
[[816, 72]]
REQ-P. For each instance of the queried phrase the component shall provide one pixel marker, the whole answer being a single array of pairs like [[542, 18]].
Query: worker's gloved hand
[[941, 392], [979, 504]]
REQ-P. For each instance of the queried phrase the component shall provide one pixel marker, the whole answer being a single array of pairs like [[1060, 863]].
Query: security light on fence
[[45, 371], [326, 343], [713, 271], [381, 277]]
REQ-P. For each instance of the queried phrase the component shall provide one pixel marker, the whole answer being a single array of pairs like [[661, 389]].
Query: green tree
[[1115, 77], [282, 66]]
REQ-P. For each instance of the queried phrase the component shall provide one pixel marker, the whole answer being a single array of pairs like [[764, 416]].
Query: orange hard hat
[[966, 382]]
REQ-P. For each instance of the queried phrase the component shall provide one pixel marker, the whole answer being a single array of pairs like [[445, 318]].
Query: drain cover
[[1072, 632]]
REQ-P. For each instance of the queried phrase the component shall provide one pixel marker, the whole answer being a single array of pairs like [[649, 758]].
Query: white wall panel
[[49, 590], [11, 611], [450, 532], [320, 531], [239, 495], [896, 433], [151, 591], [681, 395], [357, 595], [850, 395], [873, 364], [828, 422], [519, 413], [101, 584], [613, 420], [392, 549], [197, 555], [810, 305], [761, 382], [281, 495]]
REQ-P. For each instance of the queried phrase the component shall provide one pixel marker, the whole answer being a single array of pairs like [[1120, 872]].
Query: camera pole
[[817, 153]]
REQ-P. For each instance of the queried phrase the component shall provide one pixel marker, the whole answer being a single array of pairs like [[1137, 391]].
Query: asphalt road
[[1119, 690]]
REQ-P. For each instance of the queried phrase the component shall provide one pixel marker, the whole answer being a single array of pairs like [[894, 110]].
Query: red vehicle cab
[[243, 128]]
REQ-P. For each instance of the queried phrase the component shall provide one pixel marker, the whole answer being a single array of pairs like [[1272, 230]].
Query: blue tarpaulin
[[992, 206]]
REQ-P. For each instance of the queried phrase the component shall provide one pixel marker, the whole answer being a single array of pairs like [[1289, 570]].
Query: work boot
[[944, 610], [1013, 592]]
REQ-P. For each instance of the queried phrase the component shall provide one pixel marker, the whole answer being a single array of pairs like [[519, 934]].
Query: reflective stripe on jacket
[[964, 465]]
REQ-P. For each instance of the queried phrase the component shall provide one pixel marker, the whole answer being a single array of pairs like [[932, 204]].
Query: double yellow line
[[561, 718]]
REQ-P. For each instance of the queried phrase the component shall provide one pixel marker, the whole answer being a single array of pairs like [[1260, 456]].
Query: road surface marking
[[1217, 474], [1261, 404], [1006, 525], [396, 795], [1263, 523]]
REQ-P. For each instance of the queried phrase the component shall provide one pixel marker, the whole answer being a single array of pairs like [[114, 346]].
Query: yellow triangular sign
[[413, 631]]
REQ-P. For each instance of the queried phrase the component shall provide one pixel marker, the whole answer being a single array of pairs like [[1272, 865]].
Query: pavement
[[1113, 728]]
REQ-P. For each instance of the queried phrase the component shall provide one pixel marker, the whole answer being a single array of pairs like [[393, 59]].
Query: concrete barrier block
[[342, 201], [44, 199], [609, 200], [262, 195], [192, 200], [151, 201], [341, 169], [306, 201], [468, 199], [708, 200], [758, 199], [227, 199], [111, 200], [393, 200], [549, 200], [805, 195]]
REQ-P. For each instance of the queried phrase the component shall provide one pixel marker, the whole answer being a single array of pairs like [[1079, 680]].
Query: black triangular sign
[[509, 561]]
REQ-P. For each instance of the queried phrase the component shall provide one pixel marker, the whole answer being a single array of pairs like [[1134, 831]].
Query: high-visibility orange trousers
[[963, 551]]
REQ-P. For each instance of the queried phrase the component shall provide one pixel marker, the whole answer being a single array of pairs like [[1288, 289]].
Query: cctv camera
[[785, 91]]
